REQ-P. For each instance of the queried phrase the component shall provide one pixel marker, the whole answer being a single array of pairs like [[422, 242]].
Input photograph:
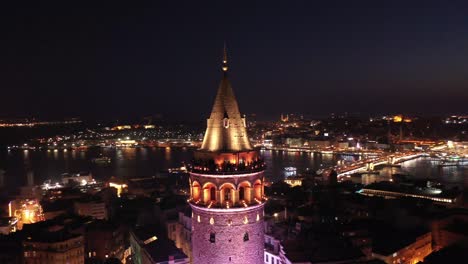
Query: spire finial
[[225, 65]]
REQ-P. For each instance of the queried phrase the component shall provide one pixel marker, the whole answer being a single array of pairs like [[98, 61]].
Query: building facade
[[448, 229], [95, 209], [104, 240], [54, 248], [180, 231], [273, 250], [226, 187]]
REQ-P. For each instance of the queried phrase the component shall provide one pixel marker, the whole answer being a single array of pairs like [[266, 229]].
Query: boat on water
[[102, 160], [181, 169], [290, 171]]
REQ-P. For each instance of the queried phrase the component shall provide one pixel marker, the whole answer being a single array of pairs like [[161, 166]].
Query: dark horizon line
[[259, 117]]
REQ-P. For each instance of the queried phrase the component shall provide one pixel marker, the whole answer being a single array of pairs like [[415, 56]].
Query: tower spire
[[226, 128], [225, 65]]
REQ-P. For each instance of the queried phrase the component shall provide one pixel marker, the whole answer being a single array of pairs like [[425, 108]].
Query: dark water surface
[[145, 162]]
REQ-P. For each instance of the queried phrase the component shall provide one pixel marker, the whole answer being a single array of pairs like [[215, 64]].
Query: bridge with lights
[[369, 164]]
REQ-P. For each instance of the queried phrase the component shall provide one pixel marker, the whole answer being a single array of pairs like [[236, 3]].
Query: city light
[[345, 142]]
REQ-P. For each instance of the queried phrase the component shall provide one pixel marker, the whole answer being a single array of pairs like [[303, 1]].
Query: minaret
[[226, 187]]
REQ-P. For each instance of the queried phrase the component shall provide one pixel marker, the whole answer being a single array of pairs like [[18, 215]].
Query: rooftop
[[57, 205], [332, 250], [155, 243], [320, 243], [55, 229], [46, 236], [389, 241], [451, 254]]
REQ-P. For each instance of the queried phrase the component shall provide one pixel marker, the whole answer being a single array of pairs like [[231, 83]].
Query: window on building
[[246, 237], [212, 237], [241, 193]]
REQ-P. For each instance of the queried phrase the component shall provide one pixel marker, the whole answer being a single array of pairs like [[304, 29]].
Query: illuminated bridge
[[369, 164]]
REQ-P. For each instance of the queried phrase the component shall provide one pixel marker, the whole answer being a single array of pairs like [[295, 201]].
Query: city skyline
[[315, 59], [244, 133]]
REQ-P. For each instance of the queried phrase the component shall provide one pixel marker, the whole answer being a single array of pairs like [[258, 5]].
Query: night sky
[[115, 60]]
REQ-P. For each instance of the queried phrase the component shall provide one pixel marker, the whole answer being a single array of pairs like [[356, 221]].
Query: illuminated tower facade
[[226, 187]]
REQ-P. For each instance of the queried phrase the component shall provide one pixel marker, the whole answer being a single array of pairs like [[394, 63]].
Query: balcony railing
[[227, 204], [210, 167]]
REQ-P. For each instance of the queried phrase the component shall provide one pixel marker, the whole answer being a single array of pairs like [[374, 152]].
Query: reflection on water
[[371, 178], [427, 168], [167, 154], [421, 169], [133, 162], [50, 164], [145, 162], [276, 161]]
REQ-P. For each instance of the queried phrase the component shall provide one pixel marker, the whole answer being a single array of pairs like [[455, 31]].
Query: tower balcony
[[214, 204], [226, 193], [226, 167]]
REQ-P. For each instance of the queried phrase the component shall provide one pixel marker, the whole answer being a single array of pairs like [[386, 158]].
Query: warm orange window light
[[258, 190], [196, 191]]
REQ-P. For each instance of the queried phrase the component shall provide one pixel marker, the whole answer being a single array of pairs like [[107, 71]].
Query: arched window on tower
[[212, 193], [227, 194], [246, 237], [241, 193], [245, 192], [258, 189], [196, 191], [212, 237], [209, 193]]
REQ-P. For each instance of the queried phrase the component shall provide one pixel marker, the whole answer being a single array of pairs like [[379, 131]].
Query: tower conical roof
[[226, 129]]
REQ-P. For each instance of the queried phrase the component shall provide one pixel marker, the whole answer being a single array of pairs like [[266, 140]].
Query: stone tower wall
[[229, 227]]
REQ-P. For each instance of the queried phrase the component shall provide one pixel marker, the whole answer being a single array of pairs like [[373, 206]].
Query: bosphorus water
[[145, 162]]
